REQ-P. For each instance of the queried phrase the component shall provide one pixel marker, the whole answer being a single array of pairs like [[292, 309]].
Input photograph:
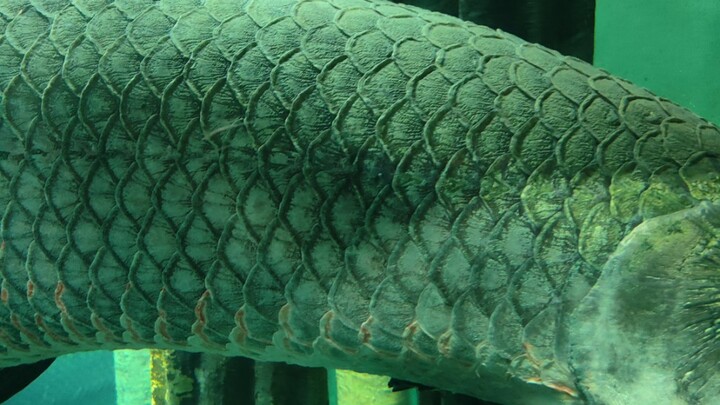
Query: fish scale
[[352, 184]]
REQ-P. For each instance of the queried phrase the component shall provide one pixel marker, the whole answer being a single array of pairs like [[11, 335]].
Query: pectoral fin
[[649, 330]]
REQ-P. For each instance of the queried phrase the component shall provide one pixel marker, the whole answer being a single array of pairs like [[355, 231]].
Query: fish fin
[[650, 327], [14, 379]]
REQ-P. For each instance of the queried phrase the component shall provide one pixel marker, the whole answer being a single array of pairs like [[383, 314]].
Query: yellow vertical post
[[132, 377]]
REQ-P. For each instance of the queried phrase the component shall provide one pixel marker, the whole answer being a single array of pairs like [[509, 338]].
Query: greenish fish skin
[[353, 184]]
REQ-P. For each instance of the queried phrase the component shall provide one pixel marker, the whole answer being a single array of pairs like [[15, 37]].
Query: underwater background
[[670, 47]]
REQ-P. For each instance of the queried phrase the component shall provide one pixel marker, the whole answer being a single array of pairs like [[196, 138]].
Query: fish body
[[353, 184]]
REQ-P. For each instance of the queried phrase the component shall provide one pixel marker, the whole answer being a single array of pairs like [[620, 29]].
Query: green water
[[78, 379], [671, 47]]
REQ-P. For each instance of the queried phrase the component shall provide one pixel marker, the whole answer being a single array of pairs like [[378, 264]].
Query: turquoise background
[[671, 47], [80, 379]]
